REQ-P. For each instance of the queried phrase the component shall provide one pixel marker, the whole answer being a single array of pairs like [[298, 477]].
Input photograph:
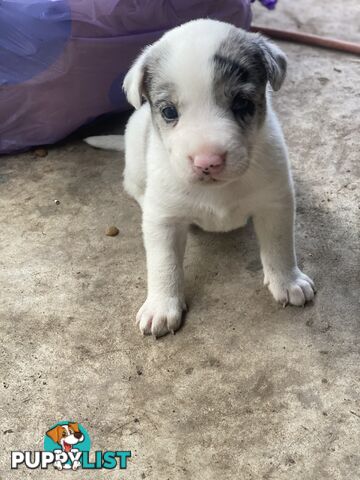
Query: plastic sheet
[[62, 62]]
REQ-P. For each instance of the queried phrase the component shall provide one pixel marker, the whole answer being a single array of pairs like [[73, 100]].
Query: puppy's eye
[[64, 434], [170, 114], [242, 107]]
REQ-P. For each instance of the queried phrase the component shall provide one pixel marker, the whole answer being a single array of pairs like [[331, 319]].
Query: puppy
[[206, 148], [67, 436]]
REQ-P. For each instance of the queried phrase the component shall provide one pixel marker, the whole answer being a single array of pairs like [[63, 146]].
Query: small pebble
[[112, 231], [41, 152]]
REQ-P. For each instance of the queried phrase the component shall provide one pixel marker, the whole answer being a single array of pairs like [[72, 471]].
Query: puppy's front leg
[[165, 246], [274, 225]]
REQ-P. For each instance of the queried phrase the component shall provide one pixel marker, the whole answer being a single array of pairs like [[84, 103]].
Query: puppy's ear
[[74, 426], [274, 59], [55, 434], [134, 80]]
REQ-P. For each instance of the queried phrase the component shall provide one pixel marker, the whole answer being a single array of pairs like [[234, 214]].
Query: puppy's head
[[66, 435], [206, 85]]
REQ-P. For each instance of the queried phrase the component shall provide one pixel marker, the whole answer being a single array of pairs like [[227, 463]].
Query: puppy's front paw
[[294, 288], [58, 465], [161, 316]]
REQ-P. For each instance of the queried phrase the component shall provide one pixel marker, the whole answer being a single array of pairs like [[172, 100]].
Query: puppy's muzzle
[[208, 163]]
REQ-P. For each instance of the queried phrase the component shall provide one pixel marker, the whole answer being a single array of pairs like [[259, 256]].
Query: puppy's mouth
[[67, 447], [207, 177], [210, 179]]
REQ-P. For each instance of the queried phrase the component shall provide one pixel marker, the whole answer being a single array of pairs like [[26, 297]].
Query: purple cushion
[[62, 62]]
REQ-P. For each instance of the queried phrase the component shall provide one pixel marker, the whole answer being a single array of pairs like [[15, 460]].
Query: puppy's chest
[[221, 219]]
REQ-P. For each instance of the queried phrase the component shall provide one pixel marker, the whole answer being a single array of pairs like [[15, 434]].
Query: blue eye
[[169, 113]]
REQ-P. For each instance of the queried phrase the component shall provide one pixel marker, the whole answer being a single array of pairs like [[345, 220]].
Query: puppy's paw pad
[[294, 289], [161, 316]]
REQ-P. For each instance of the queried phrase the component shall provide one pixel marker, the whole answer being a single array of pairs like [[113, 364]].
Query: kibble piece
[[112, 231]]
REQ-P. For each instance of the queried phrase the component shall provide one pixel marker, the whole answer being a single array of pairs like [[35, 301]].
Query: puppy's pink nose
[[209, 162]]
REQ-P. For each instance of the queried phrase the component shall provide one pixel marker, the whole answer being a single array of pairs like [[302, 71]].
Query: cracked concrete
[[246, 389]]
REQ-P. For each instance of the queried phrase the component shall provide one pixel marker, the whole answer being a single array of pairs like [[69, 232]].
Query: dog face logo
[[66, 435], [73, 439]]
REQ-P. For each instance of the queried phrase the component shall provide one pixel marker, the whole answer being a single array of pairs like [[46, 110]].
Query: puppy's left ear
[[134, 80], [274, 59]]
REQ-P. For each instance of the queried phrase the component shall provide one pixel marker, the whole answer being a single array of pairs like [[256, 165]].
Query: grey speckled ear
[[274, 60]]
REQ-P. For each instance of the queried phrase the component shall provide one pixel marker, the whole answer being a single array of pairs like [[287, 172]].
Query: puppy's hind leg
[[135, 171], [134, 189]]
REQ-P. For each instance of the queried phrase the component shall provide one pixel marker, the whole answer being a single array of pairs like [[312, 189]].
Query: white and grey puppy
[[206, 148]]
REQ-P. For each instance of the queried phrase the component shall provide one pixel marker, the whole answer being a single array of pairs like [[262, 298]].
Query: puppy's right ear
[[74, 426], [134, 80]]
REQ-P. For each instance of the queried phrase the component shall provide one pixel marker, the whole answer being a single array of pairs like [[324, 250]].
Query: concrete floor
[[246, 389]]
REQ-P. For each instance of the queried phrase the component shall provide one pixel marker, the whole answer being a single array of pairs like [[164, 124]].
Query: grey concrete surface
[[246, 389]]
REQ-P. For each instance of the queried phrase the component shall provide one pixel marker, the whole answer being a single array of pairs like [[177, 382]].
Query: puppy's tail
[[107, 142]]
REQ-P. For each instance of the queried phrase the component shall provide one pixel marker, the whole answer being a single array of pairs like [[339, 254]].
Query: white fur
[[158, 175]]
